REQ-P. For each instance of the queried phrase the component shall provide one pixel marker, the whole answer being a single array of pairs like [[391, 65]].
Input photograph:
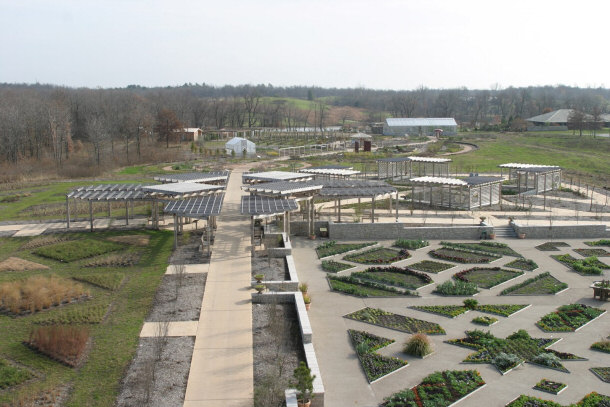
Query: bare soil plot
[[18, 264]]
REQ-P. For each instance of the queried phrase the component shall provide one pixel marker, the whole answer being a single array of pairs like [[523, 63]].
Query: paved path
[[222, 365]]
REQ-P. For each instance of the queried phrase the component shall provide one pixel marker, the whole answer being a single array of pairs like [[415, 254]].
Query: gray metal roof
[[478, 180], [271, 176], [434, 160], [212, 176], [264, 205], [421, 121], [519, 166], [330, 171], [198, 208], [466, 181], [357, 192], [556, 116], [182, 188], [283, 187], [109, 192], [330, 167]]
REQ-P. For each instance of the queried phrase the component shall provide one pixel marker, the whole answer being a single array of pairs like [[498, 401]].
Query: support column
[[209, 233], [373, 210], [126, 212], [339, 206], [67, 212], [108, 208], [176, 232], [91, 214], [396, 205]]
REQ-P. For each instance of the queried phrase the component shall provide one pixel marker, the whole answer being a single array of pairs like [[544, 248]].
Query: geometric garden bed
[[569, 318]]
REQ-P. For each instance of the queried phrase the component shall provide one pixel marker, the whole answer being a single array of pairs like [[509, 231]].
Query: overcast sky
[[381, 44]]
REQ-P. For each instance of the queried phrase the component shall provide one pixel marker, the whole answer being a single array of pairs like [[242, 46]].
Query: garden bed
[[462, 256], [84, 314], [603, 373], [109, 280], [487, 277], [504, 310], [456, 288], [601, 242], [362, 288], [331, 266], [602, 346], [123, 259], [542, 284], [592, 252], [375, 366], [394, 276], [332, 248], [410, 244], [379, 255], [590, 400], [430, 266], [76, 249], [438, 389], [551, 246], [484, 320], [522, 264], [589, 266], [12, 375], [379, 317], [17, 264], [450, 311], [494, 248], [550, 386], [63, 343], [274, 269], [569, 318]]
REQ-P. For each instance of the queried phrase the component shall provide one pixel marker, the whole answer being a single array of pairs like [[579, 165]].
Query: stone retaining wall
[[561, 231], [381, 231]]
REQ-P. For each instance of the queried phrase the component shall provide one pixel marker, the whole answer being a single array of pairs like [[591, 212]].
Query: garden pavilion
[[459, 193], [212, 177], [259, 207], [274, 176], [330, 171], [410, 167], [533, 178]]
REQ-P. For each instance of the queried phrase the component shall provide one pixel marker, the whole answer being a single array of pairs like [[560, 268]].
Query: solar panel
[[211, 176], [201, 207], [264, 205]]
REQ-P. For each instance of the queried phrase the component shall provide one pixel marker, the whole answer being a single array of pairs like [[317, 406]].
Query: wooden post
[[91, 214], [339, 205], [396, 205], [373, 210], [127, 212], [176, 232], [67, 212], [108, 208]]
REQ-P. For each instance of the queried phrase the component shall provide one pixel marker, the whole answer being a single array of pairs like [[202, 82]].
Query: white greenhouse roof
[[238, 140], [439, 180], [421, 121], [330, 171], [430, 159], [520, 166]]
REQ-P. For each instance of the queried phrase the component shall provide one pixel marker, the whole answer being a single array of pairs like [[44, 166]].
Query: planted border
[[110, 281], [456, 288], [602, 373], [462, 256], [484, 320], [332, 248], [601, 242], [589, 266], [378, 255], [76, 249], [522, 264], [542, 284], [385, 319], [450, 311], [485, 277], [590, 400], [550, 386], [430, 266], [12, 375], [375, 366], [410, 244], [569, 318], [551, 246], [331, 266], [602, 346], [363, 288], [592, 252], [394, 276], [494, 248]]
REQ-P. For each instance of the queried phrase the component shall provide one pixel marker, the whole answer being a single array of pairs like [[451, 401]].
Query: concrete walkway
[[222, 365]]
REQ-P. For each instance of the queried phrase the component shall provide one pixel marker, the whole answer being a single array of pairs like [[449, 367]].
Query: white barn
[[419, 125], [240, 145]]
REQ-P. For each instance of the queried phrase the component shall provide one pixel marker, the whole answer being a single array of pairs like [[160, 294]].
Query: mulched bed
[[462, 256], [430, 266], [592, 252], [274, 269], [568, 318], [522, 264], [542, 284], [487, 277], [603, 373], [379, 317], [381, 255], [188, 303], [551, 246]]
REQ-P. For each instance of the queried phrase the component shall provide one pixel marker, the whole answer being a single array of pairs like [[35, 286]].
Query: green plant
[[364, 288], [520, 334], [303, 287], [547, 359], [568, 318], [411, 244], [332, 266], [11, 375], [259, 277], [456, 288], [260, 288], [505, 361], [550, 386], [486, 277], [418, 345], [306, 298], [76, 249], [543, 283], [485, 320], [109, 281], [374, 365], [430, 266], [470, 303], [522, 264], [303, 382], [398, 322], [603, 346], [380, 255]]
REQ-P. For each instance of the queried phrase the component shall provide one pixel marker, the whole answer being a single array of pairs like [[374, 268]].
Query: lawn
[[115, 338], [568, 318], [379, 317], [430, 266], [486, 277], [77, 249], [375, 366], [542, 284], [462, 256], [394, 276]]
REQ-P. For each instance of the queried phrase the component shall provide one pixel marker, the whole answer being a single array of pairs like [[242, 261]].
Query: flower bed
[[507, 353], [589, 266], [550, 386], [602, 346], [331, 248], [590, 400], [462, 256], [522, 264], [379, 317], [362, 288], [542, 284], [499, 249], [603, 373], [380, 255], [374, 365], [504, 310], [592, 252], [411, 244], [601, 242], [486, 277], [450, 311], [430, 266], [484, 320], [551, 246], [12, 375], [394, 276], [438, 389], [568, 318], [456, 288], [332, 266], [76, 249]]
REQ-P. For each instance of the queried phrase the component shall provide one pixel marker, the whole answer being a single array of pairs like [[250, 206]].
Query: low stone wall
[[283, 250], [561, 231], [381, 231], [299, 227], [292, 284]]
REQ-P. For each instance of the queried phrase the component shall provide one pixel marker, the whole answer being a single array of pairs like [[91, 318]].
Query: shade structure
[[109, 192], [182, 189], [197, 208], [412, 166], [274, 176], [460, 193], [355, 189], [331, 171], [284, 188], [205, 177], [256, 205], [533, 178]]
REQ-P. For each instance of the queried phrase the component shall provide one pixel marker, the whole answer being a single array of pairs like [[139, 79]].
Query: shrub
[[418, 345], [456, 288], [411, 244], [547, 359], [603, 346], [506, 361], [520, 334], [471, 303], [64, 343]]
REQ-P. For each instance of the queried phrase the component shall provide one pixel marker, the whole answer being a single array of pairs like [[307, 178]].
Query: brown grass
[[49, 398], [37, 293], [136, 240], [17, 264], [65, 343]]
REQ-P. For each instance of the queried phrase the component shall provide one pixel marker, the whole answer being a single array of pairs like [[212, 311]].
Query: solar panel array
[[271, 176], [109, 192], [212, 176], [200, 207], [182, 188], [283, 187], [264, 205]]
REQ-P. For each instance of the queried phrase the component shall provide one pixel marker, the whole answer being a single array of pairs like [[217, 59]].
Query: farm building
[[533, 178], [238, 146], [459, 193], [409, 167], [419, 126], [189, 134]]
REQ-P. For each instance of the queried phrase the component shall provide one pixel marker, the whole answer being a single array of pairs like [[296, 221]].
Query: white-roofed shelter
[[331, 171], [239, 147], [533, 178], [457, 193], [419, 126], [411, 167]]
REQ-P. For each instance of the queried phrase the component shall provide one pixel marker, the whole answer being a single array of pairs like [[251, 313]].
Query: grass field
[[115, 339]]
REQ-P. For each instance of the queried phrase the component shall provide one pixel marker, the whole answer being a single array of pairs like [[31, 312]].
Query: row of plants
[[484, 320], [522, 264], [602, 346], [568, 318], [438, 389], [411, 244], [495, 248], [394, 276], [385, 319], [363, 288], [456, 288], [542, 284], [486, 277], [332, 248], [379, 255], [64, 343], [592, 252], [453, 311], [551, 246], [123, 259], [331, 266], [85, 314], [430, 266], [601, 242], [72, 250], [462, 256], [504, 310], [589, 266], [590, 400], [603, 373], [374, 365]]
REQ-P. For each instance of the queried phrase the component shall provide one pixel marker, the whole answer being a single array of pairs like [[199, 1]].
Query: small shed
[[238, 146]]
